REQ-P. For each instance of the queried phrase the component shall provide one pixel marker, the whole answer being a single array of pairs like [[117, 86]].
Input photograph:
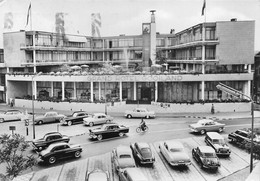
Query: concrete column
[[202, 90], [91, 92], [120, 91], [52, 89], [247, 89], [35, 89], [99, 90], [203, 49], [75, 90], [62, 90], [134, 90], [156, 91], [34, 55], [249, 68]]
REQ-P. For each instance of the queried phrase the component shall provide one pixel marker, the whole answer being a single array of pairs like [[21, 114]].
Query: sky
[[125, 16]]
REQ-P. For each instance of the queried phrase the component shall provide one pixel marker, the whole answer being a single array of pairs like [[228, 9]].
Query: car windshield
[[124, 156], [146, 152], [218, 141], [176, 149], [209, 155]]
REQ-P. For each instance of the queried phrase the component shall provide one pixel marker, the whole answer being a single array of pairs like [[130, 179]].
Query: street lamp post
[[237, 93], [33, 97]]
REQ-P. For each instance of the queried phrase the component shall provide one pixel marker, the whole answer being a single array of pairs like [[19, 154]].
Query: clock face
[[146, 28]]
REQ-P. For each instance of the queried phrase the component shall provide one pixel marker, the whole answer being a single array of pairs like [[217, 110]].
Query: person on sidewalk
[[212, 109]]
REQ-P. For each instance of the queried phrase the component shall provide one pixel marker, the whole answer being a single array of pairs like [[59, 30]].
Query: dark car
[[76, 118], [142, 153], [108, 130], [206, 157], [49, 138], [57, 151]]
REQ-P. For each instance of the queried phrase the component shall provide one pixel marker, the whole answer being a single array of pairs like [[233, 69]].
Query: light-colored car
[[217, 142], [97, 118], [48, 117], [206, 125], [97, 175], [174, 153], [12, 115], [122, 157], [139, 113], [132, 174]]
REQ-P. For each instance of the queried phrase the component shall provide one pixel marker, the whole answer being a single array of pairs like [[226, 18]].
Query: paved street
[[164, 127]]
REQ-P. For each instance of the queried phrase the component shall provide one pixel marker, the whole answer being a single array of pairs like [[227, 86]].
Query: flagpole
[[30, 16]]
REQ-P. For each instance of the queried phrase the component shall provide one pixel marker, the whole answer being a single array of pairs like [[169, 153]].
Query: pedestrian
[[212, 109]]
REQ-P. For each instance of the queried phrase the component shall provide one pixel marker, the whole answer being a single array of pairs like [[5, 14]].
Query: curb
[[213, 118]]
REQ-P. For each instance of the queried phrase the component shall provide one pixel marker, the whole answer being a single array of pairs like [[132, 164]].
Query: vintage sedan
[[97, 175], [173, 152], [139, 113], [206, 157], [48, 117], [75, 118], [61, 150], [132, 174], [47, 139], [97, 118], [108, 130], [217, 142], [122, 157], [206, 125], [12, 115], [142, 152]]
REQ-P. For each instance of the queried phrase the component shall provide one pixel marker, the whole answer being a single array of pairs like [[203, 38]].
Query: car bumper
[[93, 136], [194, 130], [211, 166], [224, 153], [180, 163], [148, 161]]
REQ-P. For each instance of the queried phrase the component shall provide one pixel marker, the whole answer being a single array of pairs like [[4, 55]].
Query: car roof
[[57, 144], [51, 112], [205, 120], [136, 174], [174, 144], [50, 133], [98, 114], [206, 149], [142, 145], [121, 149], [79, 112], [214, 135]]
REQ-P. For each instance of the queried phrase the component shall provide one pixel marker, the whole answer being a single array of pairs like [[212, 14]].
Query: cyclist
[[142, 124]]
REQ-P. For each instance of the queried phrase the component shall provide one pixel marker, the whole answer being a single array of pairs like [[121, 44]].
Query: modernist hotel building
[[125, 68]]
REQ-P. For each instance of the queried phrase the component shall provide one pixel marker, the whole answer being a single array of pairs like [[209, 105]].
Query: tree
[[12, 153], [161, 57]]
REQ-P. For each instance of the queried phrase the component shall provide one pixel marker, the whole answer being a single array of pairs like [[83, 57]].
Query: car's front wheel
[[69, 123], [52, 160], [40, 122], [2, 120], [91, 124], [99, 137], [220, 130], [203, 131], [77, 154], [129, 116], [121, 134]]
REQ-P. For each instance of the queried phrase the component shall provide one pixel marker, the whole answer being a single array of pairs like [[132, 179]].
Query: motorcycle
[[139, 129]]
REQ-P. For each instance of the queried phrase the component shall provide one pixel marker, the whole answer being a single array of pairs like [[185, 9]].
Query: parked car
[[122, 157], [61, 150], [243, 136], [174, 153], [97, 118], [48, 117], [75, 118], [205, 125], [97, 175], [47, 139], [140, 113], [12, 115], [108, 130], [142, 152], [132, 174], [206, 157], [217, 142]]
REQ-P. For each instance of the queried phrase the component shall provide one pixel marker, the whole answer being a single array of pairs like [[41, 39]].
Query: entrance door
[[146, 94]]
